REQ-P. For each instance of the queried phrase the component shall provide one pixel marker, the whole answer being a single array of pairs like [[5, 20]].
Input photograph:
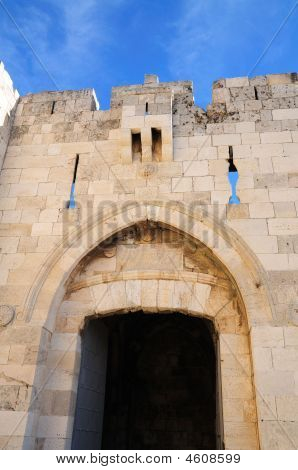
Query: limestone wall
[[8, 99], [257, 118]]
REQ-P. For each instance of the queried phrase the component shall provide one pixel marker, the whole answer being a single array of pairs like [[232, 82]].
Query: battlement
[[151, 91], [47, 102], [155, 205], [262, 87]]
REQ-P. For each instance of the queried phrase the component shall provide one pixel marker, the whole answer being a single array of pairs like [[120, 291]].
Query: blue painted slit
[[233, 178], [72, 201]]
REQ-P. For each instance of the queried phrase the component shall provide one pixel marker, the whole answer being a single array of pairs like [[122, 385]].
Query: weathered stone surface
[[154, 144]]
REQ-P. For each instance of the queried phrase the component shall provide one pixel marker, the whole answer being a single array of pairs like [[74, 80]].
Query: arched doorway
[[147, 381], [92, 279]]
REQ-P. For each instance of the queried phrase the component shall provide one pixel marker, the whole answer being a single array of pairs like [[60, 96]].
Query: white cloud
[[69, 38], [217, 38]]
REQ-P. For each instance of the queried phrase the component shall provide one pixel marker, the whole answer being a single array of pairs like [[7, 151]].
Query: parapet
[[261, 87], [151, 88], [48, 102]]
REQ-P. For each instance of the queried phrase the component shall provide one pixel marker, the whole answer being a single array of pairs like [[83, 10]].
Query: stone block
[[290, 150], [291, 336], [286, 226], [241, 436], [267, 337], [186, 154], [233, 344], [29, 216], [279, 114], [203, 183], [243, 93], [199, 168], [285, 164], [46, 189], [283, 195], [261, 210], [55, 426], [284, 209], [271, 180], [241, 151], [226, 139], [237, 211], [41, 228], [4, 354], [10, 176], [283, 91], [249, 227], [23, 189], [11, 217], [262, 358], [8, 203], [293, 180], [237, 387], [285, 359], [274, 262], [275, 137], [9, 244], [65, 342], [287, 408], [236, 366], [245, 127], [275, 435], [274, 382], [267, 150], [34, 175], [268, 126], [13, 423], [266, 407], [100, 187], [237, 82], [262, 244], [265, 165], [290, 125], [183, 184], [252, 105], [250, 138], [49, 215], [253, 196]]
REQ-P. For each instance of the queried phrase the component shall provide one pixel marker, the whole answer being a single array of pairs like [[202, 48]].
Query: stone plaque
[[7, 313]]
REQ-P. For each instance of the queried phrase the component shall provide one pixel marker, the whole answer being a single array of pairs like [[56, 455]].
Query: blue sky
[[102, 43]]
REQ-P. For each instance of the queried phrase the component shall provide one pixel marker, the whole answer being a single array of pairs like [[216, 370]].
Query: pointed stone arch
[[181, 294], [48, 288]]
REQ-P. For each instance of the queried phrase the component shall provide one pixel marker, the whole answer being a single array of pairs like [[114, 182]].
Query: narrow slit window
[[146, 108], [233, 177], [72, 201], [136, 146], [231, 153], [53, 107], [156, 144], [256, 93]]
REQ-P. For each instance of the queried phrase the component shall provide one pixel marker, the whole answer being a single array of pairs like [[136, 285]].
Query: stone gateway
[[147, 302]]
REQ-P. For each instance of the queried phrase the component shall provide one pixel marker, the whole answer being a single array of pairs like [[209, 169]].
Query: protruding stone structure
[[152, 231], [8, 99]]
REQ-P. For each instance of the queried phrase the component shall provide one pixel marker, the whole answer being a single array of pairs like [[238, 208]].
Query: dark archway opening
[[147, 381]]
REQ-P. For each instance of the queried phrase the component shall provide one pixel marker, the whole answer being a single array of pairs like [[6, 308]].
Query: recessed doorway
[[147, 381]]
